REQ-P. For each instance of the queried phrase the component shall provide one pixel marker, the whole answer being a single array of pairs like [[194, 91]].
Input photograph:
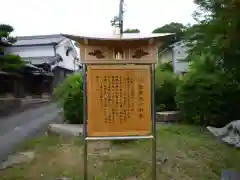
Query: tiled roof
[[38, 40], [33, 67], [42, 59]]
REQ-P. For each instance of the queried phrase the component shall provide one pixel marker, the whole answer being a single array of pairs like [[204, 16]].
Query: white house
[[53, 53], [175, 54], [39, 49]]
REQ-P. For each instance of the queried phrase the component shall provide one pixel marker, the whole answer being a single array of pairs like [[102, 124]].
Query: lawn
[[183, 152]]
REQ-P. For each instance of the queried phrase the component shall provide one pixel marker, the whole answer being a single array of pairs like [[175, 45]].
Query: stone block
[[168, 116], [65, 129]]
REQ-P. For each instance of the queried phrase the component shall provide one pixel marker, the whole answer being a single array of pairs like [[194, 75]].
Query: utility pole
[[121, 16]]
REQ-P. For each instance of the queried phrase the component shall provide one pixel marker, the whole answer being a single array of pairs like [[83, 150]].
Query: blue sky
[[39, 17]]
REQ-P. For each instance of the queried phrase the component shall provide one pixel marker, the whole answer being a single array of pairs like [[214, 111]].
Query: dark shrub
[[165, 82], [208, 96]]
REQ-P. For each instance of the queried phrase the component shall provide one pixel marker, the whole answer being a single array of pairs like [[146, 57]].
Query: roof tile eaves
[[39, 37]]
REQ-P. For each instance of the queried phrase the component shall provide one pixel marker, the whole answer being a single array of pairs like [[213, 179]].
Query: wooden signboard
[[119, 100]]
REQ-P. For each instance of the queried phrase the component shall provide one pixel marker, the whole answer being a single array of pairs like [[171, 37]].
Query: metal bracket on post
[[85, 151], [154, 142]]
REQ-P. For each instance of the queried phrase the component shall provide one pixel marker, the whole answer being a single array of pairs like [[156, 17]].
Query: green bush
[[69, 95], [165, 84], [166, 67], [208, 96]]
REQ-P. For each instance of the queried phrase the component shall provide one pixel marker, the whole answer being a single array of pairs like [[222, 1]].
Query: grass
[[183, 152]]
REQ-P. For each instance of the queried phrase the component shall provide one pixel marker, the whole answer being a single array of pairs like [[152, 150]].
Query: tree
[[209, 92], [115, 21], [173, 27], [132, 31], [5, 31], [8, 61], [217, 33]]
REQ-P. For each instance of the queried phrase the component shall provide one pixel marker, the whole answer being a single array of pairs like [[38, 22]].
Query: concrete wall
[[175, 54]]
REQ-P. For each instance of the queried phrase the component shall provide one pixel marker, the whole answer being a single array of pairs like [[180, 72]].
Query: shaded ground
[[182, 153], [17, 128]]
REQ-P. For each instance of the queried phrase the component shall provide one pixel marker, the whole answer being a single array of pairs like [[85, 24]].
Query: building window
[[68, 50]]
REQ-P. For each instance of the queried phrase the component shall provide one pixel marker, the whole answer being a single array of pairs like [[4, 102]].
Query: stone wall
[[13, 105], [7, 105]]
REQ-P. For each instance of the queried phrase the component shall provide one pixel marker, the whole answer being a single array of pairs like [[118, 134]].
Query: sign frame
[[96, 126], [152, 136]]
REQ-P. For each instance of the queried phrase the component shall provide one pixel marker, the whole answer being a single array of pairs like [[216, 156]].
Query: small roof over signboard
[[113, 37], [125, 36]]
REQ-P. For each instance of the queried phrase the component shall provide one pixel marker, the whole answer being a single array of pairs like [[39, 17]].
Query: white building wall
[[31, 51], [68, 61], [179, 54]]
